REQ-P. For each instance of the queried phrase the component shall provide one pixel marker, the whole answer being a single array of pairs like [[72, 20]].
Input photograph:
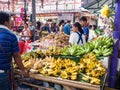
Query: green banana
[[104, 39], [108, 44], [109, 40], [102, 49], [107, 54], [96, 45], [96, 51], [106, 51], [87, 48]]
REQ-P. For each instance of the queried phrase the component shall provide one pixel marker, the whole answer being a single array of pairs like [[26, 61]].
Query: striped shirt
[[9, 44]]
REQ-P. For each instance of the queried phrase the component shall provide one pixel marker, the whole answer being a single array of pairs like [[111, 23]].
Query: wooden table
[[64, 82]]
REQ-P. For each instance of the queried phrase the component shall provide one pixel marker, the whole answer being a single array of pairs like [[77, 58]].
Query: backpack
[[80, 37]]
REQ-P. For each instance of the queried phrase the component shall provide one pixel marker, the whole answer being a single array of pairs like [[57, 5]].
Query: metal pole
[[25, 11], [114, 59], [56, 5], [34, 12], [12, 4]]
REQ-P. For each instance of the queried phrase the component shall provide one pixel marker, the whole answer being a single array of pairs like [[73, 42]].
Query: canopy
[[96, 5]]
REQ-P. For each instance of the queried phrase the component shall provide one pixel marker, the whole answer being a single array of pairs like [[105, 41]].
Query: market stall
[[83, 67], [52, 59]]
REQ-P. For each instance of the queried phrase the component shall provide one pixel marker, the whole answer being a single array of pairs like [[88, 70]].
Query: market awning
[[96, 5]]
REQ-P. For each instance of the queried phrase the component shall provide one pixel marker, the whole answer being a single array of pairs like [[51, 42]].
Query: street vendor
[[8, 48]]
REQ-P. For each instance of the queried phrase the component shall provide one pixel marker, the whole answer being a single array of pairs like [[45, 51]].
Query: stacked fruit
[[72, 50], [29, 63], [91, 69], [50, 67], [66, 69], [102, 46], [33, 54], [69, 70], [61, 39], [30, 58], [52, 51]]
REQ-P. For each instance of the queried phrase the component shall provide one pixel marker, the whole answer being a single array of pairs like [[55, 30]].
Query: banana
[[107, 54], [105, 51], [109, 40], [96, 44]]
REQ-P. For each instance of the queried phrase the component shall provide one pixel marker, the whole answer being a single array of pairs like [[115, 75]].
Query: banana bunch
[[66, 69], [101, 51], [92, 68], [52, 51], [40, 53], [73, 50], [29, 63], [29, 55], [90, 79], [103, 46], [26, 56], [50, 66], [69, 70], [84, 49], [37, 65]]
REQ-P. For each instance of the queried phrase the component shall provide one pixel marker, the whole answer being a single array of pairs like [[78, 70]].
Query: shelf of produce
[[70, 83]]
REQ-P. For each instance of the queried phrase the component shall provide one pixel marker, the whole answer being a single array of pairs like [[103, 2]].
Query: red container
[[21, 46]]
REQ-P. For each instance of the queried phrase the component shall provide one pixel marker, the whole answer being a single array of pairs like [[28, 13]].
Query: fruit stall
[[81, 67], [75, 66]]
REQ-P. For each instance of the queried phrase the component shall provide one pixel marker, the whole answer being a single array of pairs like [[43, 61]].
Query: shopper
[[32, 30], [8, 48], [83, 22], [76, 36], [61, 25], [38, 33], [52, 28], [92, 34], [47, 28], [26, 34], [67, 27]]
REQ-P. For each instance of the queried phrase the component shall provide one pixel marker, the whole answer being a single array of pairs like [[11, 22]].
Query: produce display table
[[69, 83]]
